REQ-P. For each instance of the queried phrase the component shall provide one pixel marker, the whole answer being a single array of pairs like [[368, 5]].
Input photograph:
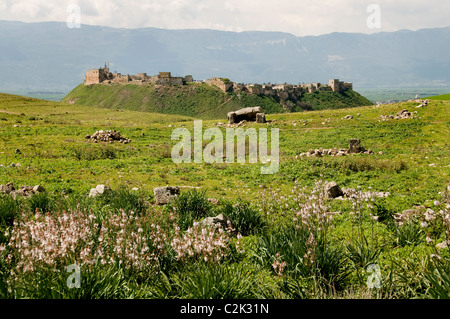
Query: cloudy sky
[[299, 17]]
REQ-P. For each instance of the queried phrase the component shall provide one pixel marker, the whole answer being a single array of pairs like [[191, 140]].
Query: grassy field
[[288, 247], [444, 97]]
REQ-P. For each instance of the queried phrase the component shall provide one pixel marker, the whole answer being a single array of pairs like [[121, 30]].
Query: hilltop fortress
[[283, 91], [103, 75]]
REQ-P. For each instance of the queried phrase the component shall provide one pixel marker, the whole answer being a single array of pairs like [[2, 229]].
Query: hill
[[50, 56], [444, 97], [201, 100]]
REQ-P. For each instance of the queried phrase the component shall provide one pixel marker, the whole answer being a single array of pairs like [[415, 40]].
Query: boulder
[[354, 146], [163, 195], [247, 114], [8, 188], [332, 190], [260, 118], [99, 190], [218, 221], [38, 189]]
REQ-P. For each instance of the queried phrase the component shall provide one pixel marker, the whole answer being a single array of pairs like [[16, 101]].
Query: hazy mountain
[[50, 56]]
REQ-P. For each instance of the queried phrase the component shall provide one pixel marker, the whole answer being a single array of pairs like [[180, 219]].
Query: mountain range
[[51, 56]]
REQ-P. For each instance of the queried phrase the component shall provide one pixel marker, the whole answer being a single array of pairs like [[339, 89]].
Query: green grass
[[413, 167], [444, 97]]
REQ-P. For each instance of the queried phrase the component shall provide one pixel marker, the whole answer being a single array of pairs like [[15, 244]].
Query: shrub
[[190, 206], [123, 199], [213, 281], [410, 233], [245, 219], [439, 281], [91, 153], [42, 202]]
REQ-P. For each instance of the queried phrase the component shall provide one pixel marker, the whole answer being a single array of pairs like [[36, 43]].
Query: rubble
[[404, 114], [107, 136]]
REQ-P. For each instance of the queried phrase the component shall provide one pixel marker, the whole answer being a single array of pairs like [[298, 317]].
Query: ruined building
[[103, 75]]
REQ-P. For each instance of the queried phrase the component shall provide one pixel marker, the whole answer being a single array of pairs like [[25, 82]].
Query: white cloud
[[299, 17]]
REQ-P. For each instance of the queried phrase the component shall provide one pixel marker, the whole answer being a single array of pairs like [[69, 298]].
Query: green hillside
[[200, 100], [444, 97]]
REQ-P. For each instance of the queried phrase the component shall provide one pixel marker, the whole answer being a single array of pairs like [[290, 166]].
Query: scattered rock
[[24, 191], [38, 189], [8, 188], [332, 190], [213, 201], [163, 195], [354, 148], [99, 190], [260, 118], [107, 136], [404, 114], [348, 117], [218, 221], [135, 189]]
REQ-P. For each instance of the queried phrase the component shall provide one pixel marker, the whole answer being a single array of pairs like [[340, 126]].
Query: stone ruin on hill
[[107, 136]]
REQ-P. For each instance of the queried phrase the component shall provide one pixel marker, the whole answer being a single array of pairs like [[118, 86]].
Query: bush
[[123, 199], [439, 281], [410, 234], [91, 153], [190, 206], [212, 281], [42, 202], [244, 218], [97, 282]]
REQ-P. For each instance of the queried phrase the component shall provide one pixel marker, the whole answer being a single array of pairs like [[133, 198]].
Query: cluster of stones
[[107, 136], [24, 191], [354, 148], [404, 114], [422, 102], [332, 190]]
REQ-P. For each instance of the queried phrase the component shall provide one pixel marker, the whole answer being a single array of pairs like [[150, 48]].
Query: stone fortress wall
[[283, 91], [104, 76]]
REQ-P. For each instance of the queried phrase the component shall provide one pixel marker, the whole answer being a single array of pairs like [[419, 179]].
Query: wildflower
[[430, 215]]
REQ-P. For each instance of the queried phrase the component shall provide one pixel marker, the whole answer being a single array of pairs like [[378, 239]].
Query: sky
[[298, 17]]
